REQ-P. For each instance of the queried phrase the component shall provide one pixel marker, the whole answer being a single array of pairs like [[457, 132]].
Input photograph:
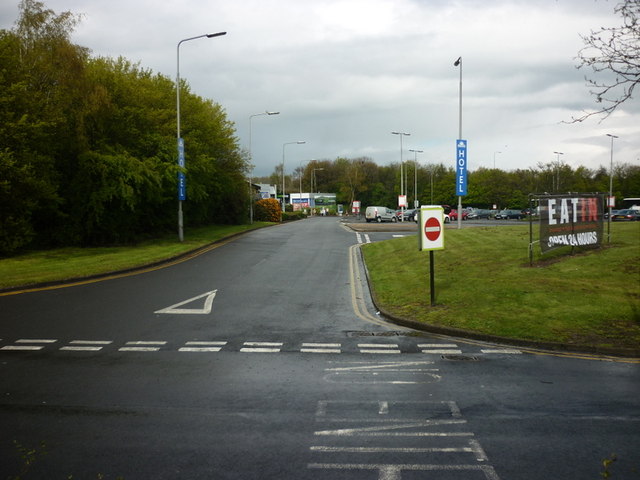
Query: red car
[[453, 215]]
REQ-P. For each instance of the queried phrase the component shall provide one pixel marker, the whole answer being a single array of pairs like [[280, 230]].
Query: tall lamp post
[[181, 178], [416, 203], [266, 112], [401, 134], [458, 63], [610, 188], [299, 142]]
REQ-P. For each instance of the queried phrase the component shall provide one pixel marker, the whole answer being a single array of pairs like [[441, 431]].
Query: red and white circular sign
[[432, 229]]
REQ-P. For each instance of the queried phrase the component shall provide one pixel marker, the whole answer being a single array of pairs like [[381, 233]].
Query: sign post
[[431, 236]]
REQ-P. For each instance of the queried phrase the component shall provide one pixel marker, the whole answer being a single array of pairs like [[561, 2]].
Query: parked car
[[626, 215], [453, 215], [477, 213], [507, 214], [606, 213], [380, 214], [411, 215]]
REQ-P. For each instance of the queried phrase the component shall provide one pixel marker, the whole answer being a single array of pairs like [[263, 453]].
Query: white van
[[380, 214]]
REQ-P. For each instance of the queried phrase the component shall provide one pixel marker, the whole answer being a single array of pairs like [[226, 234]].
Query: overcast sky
[[345, 73]]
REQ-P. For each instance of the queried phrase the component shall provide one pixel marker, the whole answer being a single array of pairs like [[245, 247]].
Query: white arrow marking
[[201, 311]]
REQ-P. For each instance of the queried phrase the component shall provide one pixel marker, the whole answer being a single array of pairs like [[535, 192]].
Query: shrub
[[287, 216], [268, 210]]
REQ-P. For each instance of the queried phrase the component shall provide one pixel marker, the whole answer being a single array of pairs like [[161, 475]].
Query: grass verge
[[74, 262], [484, 284]]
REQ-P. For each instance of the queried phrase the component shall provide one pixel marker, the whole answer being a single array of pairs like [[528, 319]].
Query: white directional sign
[[206, 309], [431, 225]]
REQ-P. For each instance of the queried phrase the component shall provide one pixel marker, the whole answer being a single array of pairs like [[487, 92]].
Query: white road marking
[[367, 238], [443, 352], [139, 349], [261, 347], [511, 351], [91, 342], [437, 345], [199, 349], [320, 348], [22, 347], [86, 348], [202, 347], [259, 350], [36, 340], [359, 237], [390, 446], [206, 309], [378, 348], [142, 346], [394, 472]]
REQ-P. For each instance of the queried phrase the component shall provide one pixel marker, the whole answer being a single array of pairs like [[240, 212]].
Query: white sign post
[[431, 235]]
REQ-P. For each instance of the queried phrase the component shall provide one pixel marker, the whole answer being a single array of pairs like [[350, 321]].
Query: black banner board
[[573, 220]]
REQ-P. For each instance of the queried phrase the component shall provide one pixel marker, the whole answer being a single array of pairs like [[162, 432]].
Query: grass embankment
[[74, 262], [484, 284]]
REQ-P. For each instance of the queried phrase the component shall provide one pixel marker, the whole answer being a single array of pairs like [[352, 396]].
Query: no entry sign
[[431, 226]]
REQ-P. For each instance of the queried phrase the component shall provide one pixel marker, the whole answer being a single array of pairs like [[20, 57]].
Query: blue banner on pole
[[461, 167], [182, 181]]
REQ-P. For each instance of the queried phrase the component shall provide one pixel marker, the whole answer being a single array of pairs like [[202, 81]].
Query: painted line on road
[[22, 347], [443, 351], [86, 348], [321, 348], [36, 340], [378, 348], [394, 472], [202, 346], [261, 347], [510, 351]]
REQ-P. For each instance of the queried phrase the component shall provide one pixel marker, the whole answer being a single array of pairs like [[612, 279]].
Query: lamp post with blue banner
[[182, 185], [461, 153]]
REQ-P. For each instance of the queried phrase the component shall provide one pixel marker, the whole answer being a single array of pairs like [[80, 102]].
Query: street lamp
[[401, 134], [557, 187], [266, 112], [415, 177], [610, 187], [299, 142], [315, 179], [458, 63], [180, 142], [494, 159]]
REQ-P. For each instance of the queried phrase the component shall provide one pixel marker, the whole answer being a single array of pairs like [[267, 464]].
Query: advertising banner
[[461, 168], [574, 220]]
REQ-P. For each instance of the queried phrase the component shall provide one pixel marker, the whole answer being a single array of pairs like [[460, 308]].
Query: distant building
[[267, 191], [316, 201]]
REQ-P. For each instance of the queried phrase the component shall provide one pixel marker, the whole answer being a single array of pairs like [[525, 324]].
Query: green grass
[[484, 284], [68, 263]]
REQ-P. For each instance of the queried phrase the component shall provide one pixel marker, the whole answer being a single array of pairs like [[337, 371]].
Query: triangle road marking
[[208, 303]]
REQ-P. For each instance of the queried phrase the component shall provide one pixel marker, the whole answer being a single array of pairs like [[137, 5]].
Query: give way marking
[[206, 309]]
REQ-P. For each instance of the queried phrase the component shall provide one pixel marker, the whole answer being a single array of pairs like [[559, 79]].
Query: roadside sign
[[431, 225], [182, 181], [402, 201], [461, 168]]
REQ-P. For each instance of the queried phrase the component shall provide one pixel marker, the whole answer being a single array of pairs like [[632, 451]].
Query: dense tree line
[[362, 179], [88, 147]]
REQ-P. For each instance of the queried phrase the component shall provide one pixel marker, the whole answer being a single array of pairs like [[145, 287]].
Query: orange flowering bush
[[268, 210]]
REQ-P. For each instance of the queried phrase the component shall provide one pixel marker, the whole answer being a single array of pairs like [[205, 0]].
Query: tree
[[613, 50]]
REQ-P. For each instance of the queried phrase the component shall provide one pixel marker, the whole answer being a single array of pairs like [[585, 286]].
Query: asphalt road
[[279, 367]]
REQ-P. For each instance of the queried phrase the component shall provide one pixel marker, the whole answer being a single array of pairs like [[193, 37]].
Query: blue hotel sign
[[182, 181], [461, 168]]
